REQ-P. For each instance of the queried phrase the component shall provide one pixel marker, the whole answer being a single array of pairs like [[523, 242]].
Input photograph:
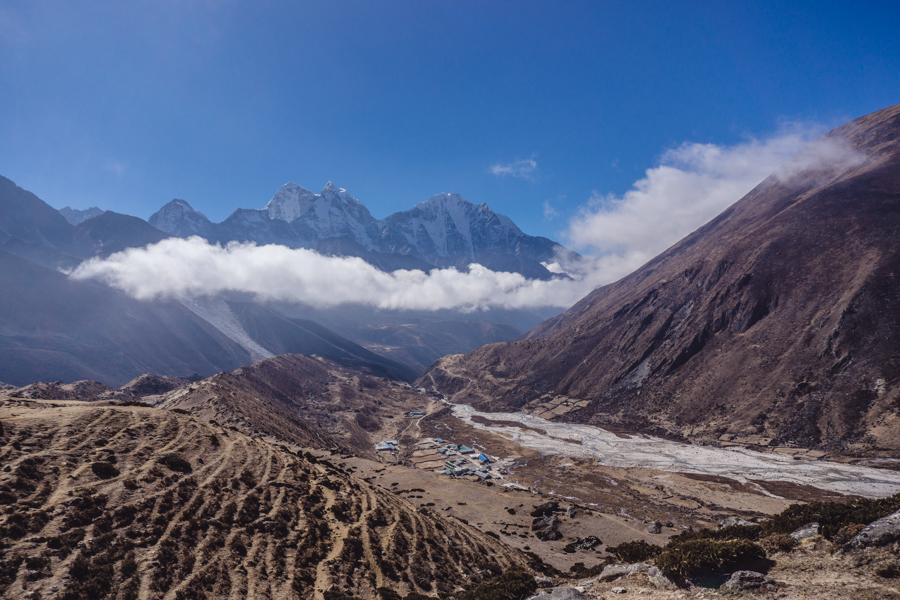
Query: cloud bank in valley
[[691, 185], [184, 268]]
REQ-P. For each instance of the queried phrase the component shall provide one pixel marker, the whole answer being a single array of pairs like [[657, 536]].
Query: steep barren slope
[[781, 317], [311, 401], [55, 328], [139, 503]]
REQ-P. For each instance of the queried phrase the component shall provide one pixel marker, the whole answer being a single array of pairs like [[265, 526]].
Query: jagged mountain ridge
[[445, 230], [76, 216], [54, 328], [780, 317]]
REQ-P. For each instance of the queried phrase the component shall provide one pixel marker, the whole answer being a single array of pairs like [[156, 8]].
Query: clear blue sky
[[126, 105]]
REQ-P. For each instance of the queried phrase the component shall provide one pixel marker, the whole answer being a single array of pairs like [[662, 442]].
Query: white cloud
[[524, 169], [187, 268], [551, 213], [692, 184]]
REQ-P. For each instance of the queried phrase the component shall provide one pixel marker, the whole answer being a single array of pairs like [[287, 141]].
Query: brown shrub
[[777, 542]]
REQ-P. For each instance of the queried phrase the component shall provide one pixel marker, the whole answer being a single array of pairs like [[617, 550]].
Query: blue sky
[[523, 105]]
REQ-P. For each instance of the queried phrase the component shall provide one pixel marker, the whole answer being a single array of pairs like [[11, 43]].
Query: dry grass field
[[128, 502]]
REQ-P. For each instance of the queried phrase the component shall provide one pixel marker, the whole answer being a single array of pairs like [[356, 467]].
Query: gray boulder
[[654, 527], [560, 593], [658, 580], [878, 533], [546, 529], [809, 530], [546, 509], [733, 521], [613, 572], [749, 580], [588, 543]]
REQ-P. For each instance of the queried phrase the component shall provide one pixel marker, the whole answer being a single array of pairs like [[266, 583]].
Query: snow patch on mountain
[[217, 313]]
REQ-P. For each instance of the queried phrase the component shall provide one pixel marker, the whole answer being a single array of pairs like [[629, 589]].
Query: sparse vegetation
[[176, 463], [632, 552], [699, 559], [832, 516], [104, 470], [888, 571], [514, 584]]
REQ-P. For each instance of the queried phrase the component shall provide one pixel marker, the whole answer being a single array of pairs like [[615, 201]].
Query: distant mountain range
[[445, 230], [779, 319], [54, 328]]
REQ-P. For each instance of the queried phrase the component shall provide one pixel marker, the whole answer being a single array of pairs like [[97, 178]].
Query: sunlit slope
[[132, 502]]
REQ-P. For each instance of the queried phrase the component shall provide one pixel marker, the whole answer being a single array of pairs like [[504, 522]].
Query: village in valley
[[446, 458]]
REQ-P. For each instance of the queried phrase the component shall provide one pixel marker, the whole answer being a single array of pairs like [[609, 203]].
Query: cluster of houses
[[452, 459], [391, 446], [447, 458]]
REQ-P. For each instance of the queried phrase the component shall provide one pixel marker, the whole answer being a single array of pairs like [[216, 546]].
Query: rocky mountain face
[[780, 317], [306, 400], [444, 231], [179, 219], [75, 216]]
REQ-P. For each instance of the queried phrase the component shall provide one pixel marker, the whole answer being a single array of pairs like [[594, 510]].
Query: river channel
[[638, 450]]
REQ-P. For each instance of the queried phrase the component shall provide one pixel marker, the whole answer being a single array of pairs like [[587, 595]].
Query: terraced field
[[129, 502]]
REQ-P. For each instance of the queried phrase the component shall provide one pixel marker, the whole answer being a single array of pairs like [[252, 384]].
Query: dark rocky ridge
[[781, 316]]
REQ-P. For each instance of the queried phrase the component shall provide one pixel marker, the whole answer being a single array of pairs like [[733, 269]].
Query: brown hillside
[[129, 502], [311, 401], [780, 317]]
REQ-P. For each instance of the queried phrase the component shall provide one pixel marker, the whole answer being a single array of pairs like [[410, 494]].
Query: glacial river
[[586, 441]]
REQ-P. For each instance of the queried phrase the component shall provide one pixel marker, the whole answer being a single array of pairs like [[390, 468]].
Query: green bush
[[632, 552], [705, 558], [777, 542], [514, 584]]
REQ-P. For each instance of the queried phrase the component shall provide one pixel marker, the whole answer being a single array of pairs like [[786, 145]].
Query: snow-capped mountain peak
[[290, 202], [180, 218], [444, 230]]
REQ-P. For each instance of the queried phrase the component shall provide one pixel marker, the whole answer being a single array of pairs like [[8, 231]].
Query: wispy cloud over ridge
[[692, 184], [523, 169]]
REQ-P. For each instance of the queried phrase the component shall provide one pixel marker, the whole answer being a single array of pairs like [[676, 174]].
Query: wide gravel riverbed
[[638, 450]]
